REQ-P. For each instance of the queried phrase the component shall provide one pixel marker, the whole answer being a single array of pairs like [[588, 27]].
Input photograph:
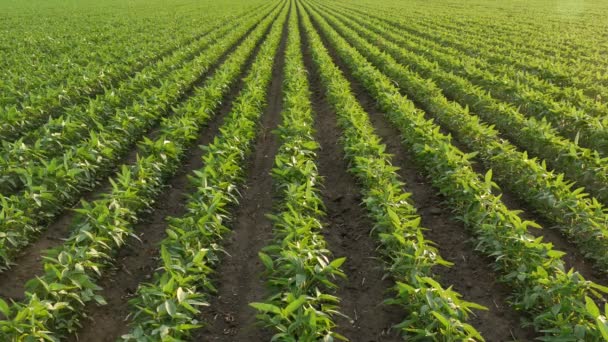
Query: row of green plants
[[433, 312], [536, 137], [562, 39], [60, 55], [582, 219], [300, 270], [15, 89], [90, 72], [584, 80], [561, 63], [54, 184], [55, 300], [26, 85], [61, 133], [571, 51], [168, 308], [555, 299], [57, 45], [573, 123], [56, 61]]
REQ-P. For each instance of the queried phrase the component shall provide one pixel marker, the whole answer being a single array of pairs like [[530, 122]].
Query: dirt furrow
[[28, 264], [138, 259], [471, 275], [238, 277], [347, 230], [573, 258]]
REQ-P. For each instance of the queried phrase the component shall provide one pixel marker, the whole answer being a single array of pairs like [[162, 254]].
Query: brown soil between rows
[[573, 258], [28, 263], [135, 264], [471, 274], [138, 259], [238, 277], [347, 230]]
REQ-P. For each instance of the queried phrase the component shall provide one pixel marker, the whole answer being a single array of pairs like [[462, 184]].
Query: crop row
[[512, 29], [567, 64], [570, 49], [553, 297], [168, 308], [432, 310], [586, 101], [574, 123], [421, 74], [582, 219], [52, 185], [55, 300], [585, 77], [88, 80], [62, 133], [83, 70], [299, 267], [538, 138]]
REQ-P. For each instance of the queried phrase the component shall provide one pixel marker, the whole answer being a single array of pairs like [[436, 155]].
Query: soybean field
[[303, 170]]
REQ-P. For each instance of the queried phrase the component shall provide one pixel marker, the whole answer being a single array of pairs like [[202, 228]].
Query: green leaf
[[603, 327], [165, 256], [100, 300], [171, 234], [473, 305], [264, 307], [266, 260], [394, 217], [592, 309], [170, 307], [188, 326], [441, 319], [293, 306], [4, 308], [556, 254], [488, 177], [200, 255], [63, 258], [599, 287], [337, 262], [181, 295], [339, 337]]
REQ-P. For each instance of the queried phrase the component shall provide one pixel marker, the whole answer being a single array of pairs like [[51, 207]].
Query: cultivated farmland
[[303, 170]]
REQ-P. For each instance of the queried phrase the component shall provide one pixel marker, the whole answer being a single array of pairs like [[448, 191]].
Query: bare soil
[[573, 258], [471, 274], [28, 263], [238, 277], [137, 260], [347, 230]]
